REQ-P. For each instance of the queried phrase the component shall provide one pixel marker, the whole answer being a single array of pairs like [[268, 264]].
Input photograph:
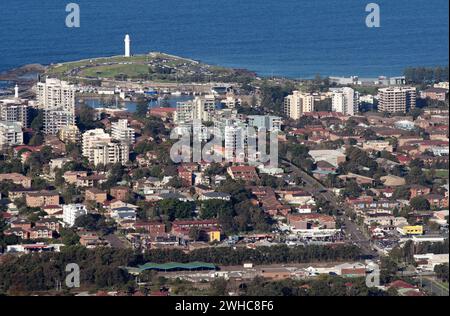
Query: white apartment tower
[[55, 120], [99, 148], [396, 99], [235, 141], [268, 122], [204, 108], [201, 108], [343, 101], [110, 153], [57, 99], [14, 111], [184, 113], [121, 132], [71, 212], [10, 134], [55, 94], [298, 103]]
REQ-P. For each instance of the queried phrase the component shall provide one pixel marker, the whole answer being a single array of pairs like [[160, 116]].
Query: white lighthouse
[[16, 91], [127, 46]]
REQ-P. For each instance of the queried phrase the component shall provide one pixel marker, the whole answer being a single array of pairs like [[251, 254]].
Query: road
[[314, 187], [434, 286]]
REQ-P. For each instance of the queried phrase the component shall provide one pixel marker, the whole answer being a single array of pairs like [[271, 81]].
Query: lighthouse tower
[[16, 91], [127, 46]]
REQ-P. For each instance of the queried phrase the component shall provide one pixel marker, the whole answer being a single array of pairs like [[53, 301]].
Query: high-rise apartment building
[[204, 108], [201, 108], [55, 120], [14, 111], [55, 94], [298, 103], [100, 148], [121, 132], [396, 99], [235, 135], [268, 122], [57, 99], [110, 153], [184, 112], [344, 101], [10, 134]]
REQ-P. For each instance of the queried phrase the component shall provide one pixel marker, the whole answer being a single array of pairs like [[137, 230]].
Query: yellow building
[[69, 134], [411, 230], [214, 235]]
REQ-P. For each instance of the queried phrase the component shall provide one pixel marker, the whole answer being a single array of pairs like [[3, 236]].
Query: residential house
[[96, 195], [245, 173], [42, 198], [16, 178]]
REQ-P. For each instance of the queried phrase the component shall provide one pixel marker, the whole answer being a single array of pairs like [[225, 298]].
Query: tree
[[154, 127], [36, 140], [389, 269], [141, 108], [86, 118], [37, 120], [420, 203], [416, 176], [402, 192], [214, 208], [442, 272], [88, 221], [116, 174], [175, 182], [218, 287], [176, 209], [69, 237], [271, 181], [215, 169], [323, 105], [352, 189]]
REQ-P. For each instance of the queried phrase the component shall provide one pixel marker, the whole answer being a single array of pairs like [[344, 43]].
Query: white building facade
[[57, 99], [121, 132], [344, 101], [99, 148], [71, 212], [10, 134], [14, 111]]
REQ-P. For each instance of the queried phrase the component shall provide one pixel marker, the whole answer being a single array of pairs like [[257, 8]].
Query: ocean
[[292, 38]]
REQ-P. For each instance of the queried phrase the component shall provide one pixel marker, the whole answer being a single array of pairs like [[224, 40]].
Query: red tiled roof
[[162, 110], [399, 284]]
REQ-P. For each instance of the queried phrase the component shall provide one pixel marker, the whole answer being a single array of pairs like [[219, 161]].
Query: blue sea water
[[294, 38]]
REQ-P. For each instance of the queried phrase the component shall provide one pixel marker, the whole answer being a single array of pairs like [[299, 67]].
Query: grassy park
[[151, 67]]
